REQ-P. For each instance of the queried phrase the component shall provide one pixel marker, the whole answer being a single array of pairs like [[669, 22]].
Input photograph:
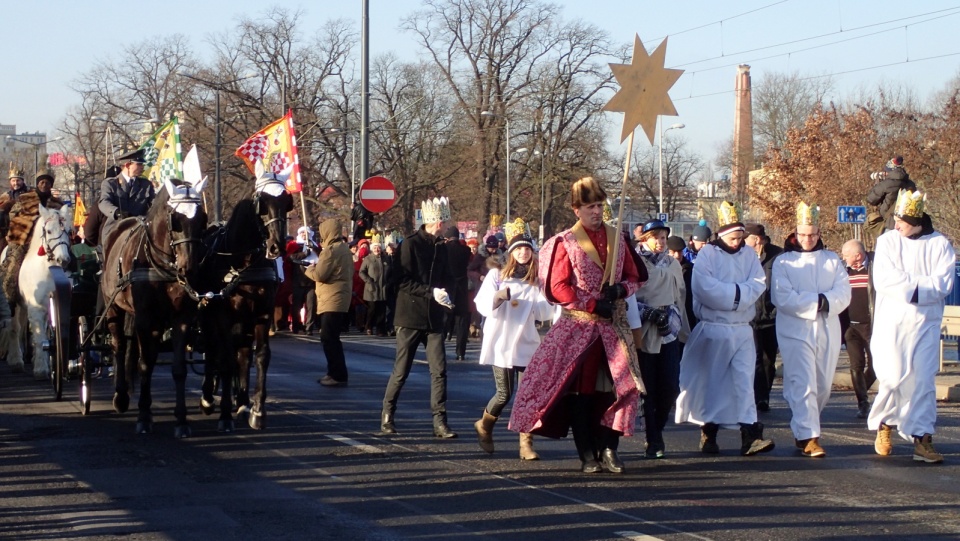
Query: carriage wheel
[[84, 362], [54, 357]]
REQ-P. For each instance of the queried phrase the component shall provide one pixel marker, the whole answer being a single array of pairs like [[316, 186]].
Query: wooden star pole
[[643, 97]]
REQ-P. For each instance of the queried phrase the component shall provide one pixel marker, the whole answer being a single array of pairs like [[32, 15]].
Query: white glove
[[443, 299]]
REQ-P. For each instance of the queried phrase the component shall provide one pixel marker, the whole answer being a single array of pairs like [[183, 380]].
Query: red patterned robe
[[572, 268]]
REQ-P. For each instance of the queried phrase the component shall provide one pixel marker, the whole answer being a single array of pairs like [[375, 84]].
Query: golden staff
[[643, 97]]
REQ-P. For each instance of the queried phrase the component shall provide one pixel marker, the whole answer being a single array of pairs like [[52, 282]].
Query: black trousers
[[459, 328], [331, 324], [861, 360], [765, 339], [376, 317], [306, 298], [408, 340], [661, 377]]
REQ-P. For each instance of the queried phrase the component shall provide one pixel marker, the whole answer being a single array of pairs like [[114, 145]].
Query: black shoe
[[441, 430], [590, 466], [460, 358], [611, 461], [863, 410], [763, 405], [386, 425]]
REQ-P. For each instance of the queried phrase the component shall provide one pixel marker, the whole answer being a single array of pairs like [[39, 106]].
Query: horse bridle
[[60, 242]]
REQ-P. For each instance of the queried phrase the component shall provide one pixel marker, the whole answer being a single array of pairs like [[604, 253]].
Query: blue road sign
[[851, 214], [663, 217]]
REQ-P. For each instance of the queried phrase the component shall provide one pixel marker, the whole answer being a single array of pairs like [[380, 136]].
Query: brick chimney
[[742, 135]]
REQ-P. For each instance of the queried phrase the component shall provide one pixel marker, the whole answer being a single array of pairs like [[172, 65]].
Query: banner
[[163, 155], [276, 148]]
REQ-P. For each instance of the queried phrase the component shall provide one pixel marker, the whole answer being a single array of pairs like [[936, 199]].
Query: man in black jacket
[[422, 302], [884, 193], [765, 322]]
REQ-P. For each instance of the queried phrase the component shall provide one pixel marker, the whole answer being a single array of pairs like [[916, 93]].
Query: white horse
[[51, 232]]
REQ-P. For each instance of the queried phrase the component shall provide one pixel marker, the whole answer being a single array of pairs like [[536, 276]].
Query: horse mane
[[243, 228]]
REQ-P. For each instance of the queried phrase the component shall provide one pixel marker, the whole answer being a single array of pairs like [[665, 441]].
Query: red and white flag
[[276, 148]]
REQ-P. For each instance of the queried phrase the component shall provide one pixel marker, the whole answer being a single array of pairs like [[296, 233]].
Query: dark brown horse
[[242, 268], [151, 266]]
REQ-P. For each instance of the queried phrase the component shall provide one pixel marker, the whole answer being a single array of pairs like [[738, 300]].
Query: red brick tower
[[742, 135]]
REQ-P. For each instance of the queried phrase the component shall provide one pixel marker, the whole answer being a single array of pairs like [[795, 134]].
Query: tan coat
[[333, 273]]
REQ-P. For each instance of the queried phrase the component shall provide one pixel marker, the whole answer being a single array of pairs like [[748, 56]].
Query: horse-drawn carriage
[[166, 272]]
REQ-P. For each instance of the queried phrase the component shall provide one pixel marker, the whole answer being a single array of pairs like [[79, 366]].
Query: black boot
[[440, 428], [751, 440], [386, 424], [583, 437], [708, 439]]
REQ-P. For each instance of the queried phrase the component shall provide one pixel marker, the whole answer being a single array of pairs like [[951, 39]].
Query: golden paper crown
[[728, 213], [514, 228], [496, 220], [808, 214], [15, 172], [377, 238], [437, 210], [910, 204]]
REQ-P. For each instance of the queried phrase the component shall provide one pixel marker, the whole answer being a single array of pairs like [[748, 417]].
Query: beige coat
[[333, 273]]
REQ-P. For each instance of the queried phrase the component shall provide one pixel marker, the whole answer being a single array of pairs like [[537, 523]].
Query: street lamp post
[[542, 197], [679, 126], [217, 86], [36, 150]]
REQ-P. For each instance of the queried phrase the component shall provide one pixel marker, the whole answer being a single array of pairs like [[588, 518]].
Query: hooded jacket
[[333, 272], [884, 193]]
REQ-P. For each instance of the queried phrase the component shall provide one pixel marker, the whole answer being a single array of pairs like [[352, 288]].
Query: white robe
[[906, 336], [510, 334], [809, 340], [719, 360]]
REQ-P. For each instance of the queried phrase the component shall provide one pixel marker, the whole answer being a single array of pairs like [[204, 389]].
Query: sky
[[860, 43]]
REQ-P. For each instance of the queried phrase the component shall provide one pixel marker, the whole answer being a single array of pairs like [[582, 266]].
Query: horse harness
[[162, 270], [44, 241]]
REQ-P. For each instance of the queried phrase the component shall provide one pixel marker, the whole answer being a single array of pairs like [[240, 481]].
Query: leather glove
[[603, 309], [822, 304], [647, 314], [120, 214], [663, 322], [613, 292], [501, 296], [443, 299]]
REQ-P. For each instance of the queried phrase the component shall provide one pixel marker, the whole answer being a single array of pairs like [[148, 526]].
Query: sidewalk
[[948, 381]]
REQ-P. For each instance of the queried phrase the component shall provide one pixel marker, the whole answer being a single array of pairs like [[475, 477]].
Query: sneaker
[[882, 445], [923, 450], [327, 381], [812, 448]]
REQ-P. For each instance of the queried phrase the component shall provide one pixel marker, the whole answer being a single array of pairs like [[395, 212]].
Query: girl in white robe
[[512, 302]]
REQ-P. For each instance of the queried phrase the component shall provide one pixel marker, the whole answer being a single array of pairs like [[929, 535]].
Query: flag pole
[[303, 209], [623, 190]]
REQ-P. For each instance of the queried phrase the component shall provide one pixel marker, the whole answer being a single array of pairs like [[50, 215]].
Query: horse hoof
[[17, 368], [121, 402], [256, 421], [181, 431], [40, 376], [225, 425], [144, 427], [206, 406]]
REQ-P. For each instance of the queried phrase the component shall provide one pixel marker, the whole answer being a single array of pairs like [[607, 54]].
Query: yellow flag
[[79, 211]]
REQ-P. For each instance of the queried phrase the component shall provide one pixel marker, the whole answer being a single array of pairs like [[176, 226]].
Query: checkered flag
[[275, 149], [255, 148]]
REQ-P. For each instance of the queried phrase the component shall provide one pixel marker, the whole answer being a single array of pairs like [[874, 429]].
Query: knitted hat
[[729, 216], [755, 229], [517, 230], [702, 233], [492, 242]]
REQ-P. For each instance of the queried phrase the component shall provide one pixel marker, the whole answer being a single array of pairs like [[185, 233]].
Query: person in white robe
[[913, 273], [512, 302], [809, 288], [719, 360]]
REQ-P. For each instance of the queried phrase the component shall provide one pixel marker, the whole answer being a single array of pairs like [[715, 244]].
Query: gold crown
[[514, 228], [728, 213], [437, 210], [910, 204], [496, 220], [808, 214], [15, 172]]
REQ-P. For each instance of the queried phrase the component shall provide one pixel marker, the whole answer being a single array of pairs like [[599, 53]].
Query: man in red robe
[[585, 375]]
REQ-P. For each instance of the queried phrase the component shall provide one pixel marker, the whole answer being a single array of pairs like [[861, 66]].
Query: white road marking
[[355, 444], [637, 536]]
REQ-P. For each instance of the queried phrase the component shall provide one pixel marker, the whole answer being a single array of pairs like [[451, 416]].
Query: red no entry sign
[[377, 194]]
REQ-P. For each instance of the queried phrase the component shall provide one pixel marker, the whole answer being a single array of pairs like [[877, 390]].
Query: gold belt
[[580, 315]]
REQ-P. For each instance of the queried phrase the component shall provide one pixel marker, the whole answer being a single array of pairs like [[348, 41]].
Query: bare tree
[[682, 168], [783, 101]]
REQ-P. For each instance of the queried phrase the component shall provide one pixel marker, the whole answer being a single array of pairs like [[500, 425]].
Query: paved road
[[320, 472]]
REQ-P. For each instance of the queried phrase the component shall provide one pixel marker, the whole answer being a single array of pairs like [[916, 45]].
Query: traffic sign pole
[[377, 194]]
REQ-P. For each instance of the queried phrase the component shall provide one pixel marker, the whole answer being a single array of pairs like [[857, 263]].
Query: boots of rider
[[526, 448], [484, 428]]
